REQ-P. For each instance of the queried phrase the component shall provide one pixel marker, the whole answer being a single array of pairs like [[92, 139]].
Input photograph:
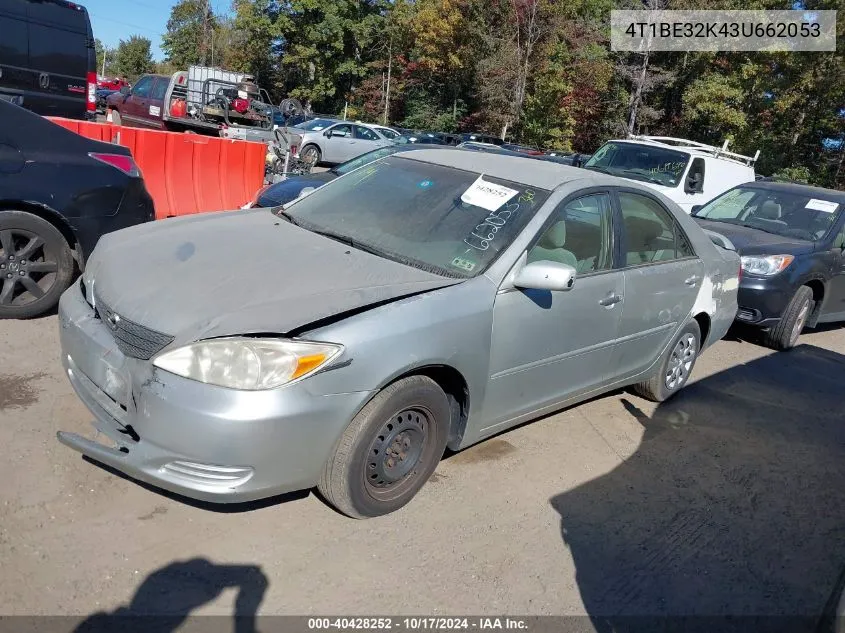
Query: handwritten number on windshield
[[484, 234]]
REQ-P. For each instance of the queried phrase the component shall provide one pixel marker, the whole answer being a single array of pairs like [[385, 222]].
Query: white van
[[687, 172]]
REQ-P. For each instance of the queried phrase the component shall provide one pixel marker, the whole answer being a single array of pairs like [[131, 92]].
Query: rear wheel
[[784, 335], [676, 366], [36, 265], [389, 450]]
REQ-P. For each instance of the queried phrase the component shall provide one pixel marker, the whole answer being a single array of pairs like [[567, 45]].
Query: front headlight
[[765, 266], [250, 364]]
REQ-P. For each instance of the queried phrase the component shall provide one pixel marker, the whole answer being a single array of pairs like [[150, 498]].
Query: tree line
[[538, 72]]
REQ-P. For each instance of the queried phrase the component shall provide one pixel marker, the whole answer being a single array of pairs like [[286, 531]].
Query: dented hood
[[239, 273]]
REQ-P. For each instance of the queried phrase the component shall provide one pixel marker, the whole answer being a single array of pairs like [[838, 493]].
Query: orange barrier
[[185, 173]]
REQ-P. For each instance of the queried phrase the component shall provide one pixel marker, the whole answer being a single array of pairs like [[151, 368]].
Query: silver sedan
[[427, 300], [338, 141]]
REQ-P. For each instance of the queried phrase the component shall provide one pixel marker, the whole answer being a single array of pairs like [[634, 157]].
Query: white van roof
[[693, 148]]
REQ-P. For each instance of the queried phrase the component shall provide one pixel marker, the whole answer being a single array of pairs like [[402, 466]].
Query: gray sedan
[[428, 299], [338, 142]]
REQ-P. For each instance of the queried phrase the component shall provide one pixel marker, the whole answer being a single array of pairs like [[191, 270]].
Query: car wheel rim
[[310, 155], [800, 323], [28, 270], [681, 361], [394, 455]]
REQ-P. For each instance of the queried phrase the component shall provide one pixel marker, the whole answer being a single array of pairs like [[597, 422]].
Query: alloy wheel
[[27, 269], [680, 362]]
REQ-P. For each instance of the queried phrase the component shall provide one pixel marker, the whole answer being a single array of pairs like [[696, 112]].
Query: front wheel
[[389, 450], [36, 265], [784, 335], [676, 366], [311, 154]]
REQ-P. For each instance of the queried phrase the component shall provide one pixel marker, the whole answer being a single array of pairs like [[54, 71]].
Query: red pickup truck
[[112, 84]]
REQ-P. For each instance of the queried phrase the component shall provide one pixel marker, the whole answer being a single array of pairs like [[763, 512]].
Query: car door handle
[[612, 300], [691, 281]]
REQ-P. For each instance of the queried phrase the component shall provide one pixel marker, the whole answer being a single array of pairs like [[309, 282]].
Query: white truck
[[688, 173]]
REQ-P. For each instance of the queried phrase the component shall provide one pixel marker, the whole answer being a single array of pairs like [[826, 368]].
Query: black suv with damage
[[791, 239]]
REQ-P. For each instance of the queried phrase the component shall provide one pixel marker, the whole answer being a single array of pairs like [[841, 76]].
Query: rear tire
[[113, 117], [784, 335], [676, 366], [389, 450], [36, 265]]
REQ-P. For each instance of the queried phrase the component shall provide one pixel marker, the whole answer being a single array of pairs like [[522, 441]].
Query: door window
[[579, 236], [159, 89], [365, 133], [143, 87], [651, 233], [342, 131]]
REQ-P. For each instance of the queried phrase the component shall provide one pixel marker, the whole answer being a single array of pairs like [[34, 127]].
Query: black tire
[[367, 475], [35, 259], [679, 359], [784, 335], [311, 154], [115, 117]]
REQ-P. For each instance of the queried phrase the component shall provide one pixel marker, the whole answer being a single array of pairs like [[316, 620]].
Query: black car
[[59, 192], [792, 241], [47, 57], [290, 188]]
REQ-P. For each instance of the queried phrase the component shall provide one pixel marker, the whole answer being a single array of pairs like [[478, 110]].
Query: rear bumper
[[197, 440]]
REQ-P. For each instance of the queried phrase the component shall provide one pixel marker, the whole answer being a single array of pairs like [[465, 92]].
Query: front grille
[[134, 340]]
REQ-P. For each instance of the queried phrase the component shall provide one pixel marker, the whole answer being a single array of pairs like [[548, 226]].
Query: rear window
[[59, 38]]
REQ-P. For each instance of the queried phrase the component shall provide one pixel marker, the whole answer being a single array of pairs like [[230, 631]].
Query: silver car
[[338, 141], [429, 299]]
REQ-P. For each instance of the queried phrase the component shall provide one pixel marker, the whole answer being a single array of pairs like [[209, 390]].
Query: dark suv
[[59, 193], [792, 241], [47, 57]]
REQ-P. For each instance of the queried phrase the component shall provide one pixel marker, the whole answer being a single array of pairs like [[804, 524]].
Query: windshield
[[364, 159], [316, 125], [448, 221], [789, 213], [640, 162]]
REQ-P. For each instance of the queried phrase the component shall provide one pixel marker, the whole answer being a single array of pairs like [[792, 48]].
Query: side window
[[159, 89], [343, 131], [143, 87], [695, 178], [365, 133], [579, 235], [839, 241], [650, 232]]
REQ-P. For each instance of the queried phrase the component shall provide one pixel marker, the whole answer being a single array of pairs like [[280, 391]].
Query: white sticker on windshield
[[822, 205], [155, 110], [487, 195]]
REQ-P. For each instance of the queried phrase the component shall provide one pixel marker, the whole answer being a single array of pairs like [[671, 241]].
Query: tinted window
[[364, 159], [365, 133], [579, 236], [387, 133], [640, 162], [650, 231], [143, 87], [342, 131], [159, 89], [416, 213], [794, 214]]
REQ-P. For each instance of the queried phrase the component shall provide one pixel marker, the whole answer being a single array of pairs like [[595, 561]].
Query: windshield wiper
[[280, 212], [603, 170], [639, 176], [343, 239]]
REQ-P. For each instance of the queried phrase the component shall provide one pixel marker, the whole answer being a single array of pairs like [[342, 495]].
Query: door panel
[[549, 346], [663, 278], [834, 307], [337, 147]]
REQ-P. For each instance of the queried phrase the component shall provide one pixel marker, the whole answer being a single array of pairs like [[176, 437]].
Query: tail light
[[118, 161], [294, 150], [91, 106]]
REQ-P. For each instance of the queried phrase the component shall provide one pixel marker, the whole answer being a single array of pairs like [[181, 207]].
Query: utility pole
[[105, 54], [204, 32], [389, 69]]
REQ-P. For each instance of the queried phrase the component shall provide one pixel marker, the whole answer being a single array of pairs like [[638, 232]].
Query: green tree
[[133, 57], [189, 32], [713, 106], [105, 58], [254, 40]]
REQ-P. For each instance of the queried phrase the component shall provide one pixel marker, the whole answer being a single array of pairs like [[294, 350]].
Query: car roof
[[522, 169], [684, 149], [797, 188]]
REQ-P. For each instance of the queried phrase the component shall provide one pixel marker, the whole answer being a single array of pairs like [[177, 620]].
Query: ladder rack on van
[[701, 147]]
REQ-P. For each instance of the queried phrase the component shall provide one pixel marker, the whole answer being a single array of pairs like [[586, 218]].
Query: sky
[[113, 20]]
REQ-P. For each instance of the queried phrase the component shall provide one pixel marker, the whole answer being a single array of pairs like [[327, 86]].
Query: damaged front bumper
[[201, 441]]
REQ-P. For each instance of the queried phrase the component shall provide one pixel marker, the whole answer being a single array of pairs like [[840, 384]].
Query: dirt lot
[[728, 499]]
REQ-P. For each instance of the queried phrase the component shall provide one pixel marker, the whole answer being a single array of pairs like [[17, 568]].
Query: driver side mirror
[[695, 183], [327, 133], [695, 209], [545, 275]]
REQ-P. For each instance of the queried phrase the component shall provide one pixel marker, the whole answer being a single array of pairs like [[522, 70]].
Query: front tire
[[784, 335], [676, 366], [36, 265], [389, 450], [311, 154]]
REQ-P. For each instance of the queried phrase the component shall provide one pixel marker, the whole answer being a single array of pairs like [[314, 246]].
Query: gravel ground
[[727, 500]]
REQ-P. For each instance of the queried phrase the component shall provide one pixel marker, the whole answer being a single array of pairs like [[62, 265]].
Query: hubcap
[[396, 451], [800, 322], [680, 363], [27, 269]]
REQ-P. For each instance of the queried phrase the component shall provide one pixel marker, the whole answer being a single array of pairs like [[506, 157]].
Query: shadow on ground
[[163, 602], [733, 505]]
